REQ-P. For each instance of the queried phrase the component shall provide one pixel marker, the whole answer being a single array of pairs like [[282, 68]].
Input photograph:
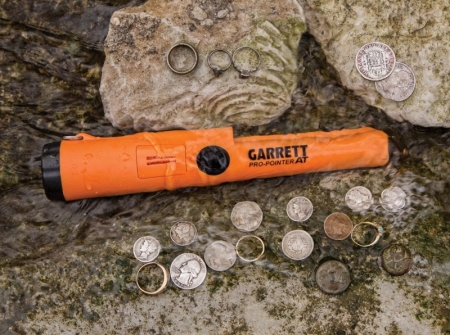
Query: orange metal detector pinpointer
[[87, 167]]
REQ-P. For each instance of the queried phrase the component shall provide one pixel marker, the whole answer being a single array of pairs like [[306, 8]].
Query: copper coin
[[396, 259], [333, 277], [338, 226]]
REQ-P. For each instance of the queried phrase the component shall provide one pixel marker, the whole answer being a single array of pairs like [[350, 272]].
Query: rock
[[419, 34], [139, 90]]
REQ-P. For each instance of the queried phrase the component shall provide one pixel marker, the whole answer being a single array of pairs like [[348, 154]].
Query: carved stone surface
[[419, 34], [139, 90]]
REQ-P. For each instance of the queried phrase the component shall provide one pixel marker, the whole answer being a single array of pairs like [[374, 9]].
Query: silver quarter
[[393, 199], [183, 233], [146, 249], [375, 61], [359, 198], [246, 216], [399, 85], [220, 255], [297, 244], [333, 277], [188, 271], [299, 209]]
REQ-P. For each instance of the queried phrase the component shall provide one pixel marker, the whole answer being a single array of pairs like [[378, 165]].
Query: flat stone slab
[[139, 89], [418, 33]]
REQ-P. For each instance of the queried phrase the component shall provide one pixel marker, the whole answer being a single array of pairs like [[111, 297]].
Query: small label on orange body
[[160, 161]]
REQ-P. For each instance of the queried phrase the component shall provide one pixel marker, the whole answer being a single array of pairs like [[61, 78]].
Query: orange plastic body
[[148, 162]]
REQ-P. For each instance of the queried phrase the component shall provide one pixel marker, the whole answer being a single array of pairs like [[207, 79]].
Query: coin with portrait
[[246, 216], [188, 271], [297, 244], [299, 209], [393, 199], [146, 249], [183, 233], [333, 277], [220, 255], [359, 198], [338, 226]]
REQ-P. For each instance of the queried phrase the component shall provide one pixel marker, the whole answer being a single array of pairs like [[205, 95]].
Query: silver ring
[[216, 69], [182, 70], [245, 73], [379, 229], [165, 278], [250, 237]]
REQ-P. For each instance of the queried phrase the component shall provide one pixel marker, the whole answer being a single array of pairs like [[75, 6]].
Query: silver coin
[[246, 216], [146, 249], [299, 209], [183, 233], [188, 271], [333, 277], [399, 85], [297, 244], [393, 199], [359, 198], [375, 61], [220, 255]]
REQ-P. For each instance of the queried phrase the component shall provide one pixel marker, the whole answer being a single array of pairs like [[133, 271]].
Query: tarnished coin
[[399, 85], [146, 249], [297, 244], [375, 61], [183, 233], [220, 255], [338, 226], [396, 259], [299, 209], [393, 199], [188, 271], [333, 277], [359, 198], [246, 216]]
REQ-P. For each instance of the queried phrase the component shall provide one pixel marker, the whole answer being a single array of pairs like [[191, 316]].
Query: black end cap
[[51, 174], [213, 160]]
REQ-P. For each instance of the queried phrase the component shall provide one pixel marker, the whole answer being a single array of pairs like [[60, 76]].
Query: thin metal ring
[[165, 280], [217, 70], [182, 45], [249, 237], [245, 73], [380, 232]]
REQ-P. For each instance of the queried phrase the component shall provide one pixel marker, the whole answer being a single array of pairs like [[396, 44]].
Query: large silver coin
[[183, 233], [297, 244], [188, 271], [399, 85], [299, 209], [146, 249], [359, 198], [333, 277], [220, 255], [246, 216], [393, 199], [375, 61]]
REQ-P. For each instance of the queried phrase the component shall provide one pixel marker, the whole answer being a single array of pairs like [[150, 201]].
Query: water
[[74, 260]]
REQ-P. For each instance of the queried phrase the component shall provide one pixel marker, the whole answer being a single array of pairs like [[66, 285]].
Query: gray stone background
[[69, 268]]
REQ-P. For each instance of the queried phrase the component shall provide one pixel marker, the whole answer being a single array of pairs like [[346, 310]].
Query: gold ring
[[165, 280], [379, 229], [250, 237]]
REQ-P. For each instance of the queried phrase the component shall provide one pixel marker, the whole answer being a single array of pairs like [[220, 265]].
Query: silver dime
[[299, 209], [297, 244], [393, 199], [246, 216], [183, 233], [375, 61], [359, 198], [399, 85], [146, 249], [333, 277], [220, 255], [188, 271]]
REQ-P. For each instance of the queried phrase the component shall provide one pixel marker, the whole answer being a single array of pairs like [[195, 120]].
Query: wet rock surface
[[419, 35], [69, 267]]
